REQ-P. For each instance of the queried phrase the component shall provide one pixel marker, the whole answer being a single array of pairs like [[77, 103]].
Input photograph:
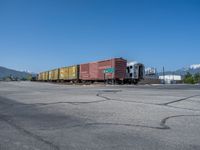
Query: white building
[[150, 71], [170, 79]]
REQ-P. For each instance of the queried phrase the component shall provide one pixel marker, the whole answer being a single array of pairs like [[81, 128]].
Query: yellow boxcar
[[40, 76], [50, 75], [73, 72], [68, 73], [53, 74], [43, 76], [64, 73], [46, 75]]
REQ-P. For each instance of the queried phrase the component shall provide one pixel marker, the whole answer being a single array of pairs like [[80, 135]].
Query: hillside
[[5, 72], [192, 69]]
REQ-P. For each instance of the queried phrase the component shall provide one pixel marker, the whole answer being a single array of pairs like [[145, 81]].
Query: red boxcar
[[99, 71]]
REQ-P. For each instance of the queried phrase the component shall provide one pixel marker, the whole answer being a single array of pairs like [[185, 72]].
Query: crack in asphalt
[[61, 102], [72, 103], [114, 124], [179, 100], [162, 126], [106, 98], [85, 102], [30, 134], [163, 121], [162, 104]]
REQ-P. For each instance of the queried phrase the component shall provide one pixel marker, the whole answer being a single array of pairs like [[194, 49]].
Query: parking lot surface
[[46, 116]]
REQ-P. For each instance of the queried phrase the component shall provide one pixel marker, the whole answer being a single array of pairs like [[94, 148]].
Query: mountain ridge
[[6, 72], [192, 69]]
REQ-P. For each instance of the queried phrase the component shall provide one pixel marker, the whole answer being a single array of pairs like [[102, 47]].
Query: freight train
[[115, 70]]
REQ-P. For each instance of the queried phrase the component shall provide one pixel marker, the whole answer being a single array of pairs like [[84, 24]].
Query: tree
[[197, 78], [189, 78], [188, 75], [27, 78], [192, 79]]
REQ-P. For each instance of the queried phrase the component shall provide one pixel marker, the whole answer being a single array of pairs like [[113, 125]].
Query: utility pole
[[163, 75], [104, 75], [112, 66]]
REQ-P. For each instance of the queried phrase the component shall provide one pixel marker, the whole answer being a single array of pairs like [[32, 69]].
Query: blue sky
[[38, 35]]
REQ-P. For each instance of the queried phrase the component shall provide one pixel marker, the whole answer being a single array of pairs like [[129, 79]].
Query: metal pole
[[104, 77], [112, 66], [163, 75]]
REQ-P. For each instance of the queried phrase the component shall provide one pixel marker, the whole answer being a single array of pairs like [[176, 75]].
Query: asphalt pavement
[[46, 116]]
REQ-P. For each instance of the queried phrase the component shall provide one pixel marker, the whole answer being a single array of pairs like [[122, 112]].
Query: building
[[150, 71], [170, 79]]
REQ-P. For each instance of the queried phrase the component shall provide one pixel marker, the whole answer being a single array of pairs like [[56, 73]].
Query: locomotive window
[[131, 67]]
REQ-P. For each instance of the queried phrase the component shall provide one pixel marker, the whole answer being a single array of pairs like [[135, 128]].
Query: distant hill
[[5, 72], [192, 69]]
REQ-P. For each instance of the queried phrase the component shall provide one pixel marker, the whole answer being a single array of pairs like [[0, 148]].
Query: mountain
[[192, 69], [5, 72], [195, 66]]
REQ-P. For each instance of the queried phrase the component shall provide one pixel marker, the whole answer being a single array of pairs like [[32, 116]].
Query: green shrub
[[192, 79]]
